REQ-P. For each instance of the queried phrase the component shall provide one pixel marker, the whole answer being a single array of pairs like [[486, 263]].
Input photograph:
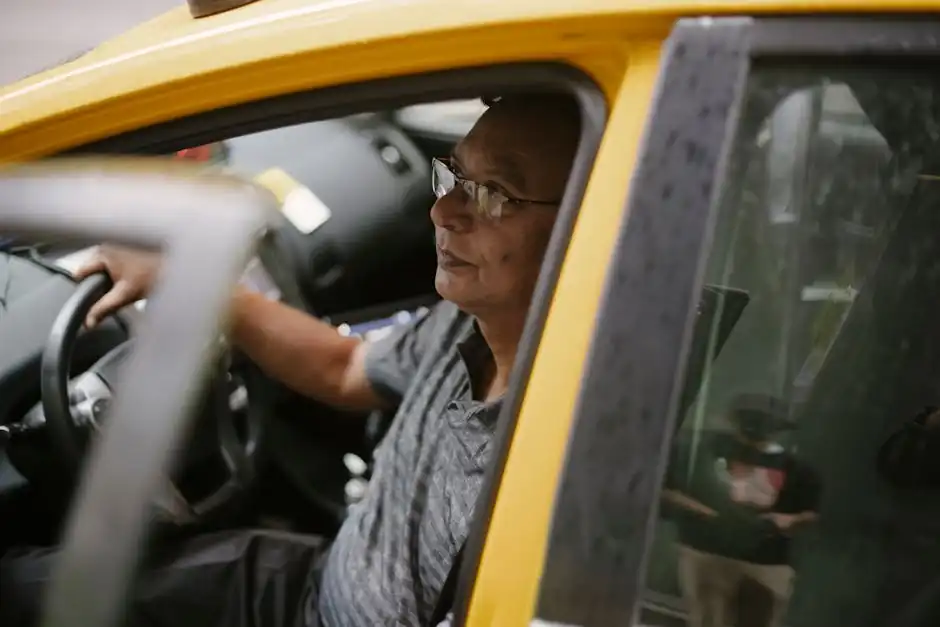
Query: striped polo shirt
[[390, 559]]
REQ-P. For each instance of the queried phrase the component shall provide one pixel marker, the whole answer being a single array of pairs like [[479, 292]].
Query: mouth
[[448, 260]]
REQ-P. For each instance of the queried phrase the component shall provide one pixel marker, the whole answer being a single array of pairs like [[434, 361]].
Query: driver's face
[[523, 152]]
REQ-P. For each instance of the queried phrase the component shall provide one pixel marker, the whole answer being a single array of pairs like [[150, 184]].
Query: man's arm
[[304, 353], [672, 494], [686, 502], [806, 487]]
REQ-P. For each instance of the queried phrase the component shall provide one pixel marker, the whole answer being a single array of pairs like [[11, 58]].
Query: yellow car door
[[775, 245]]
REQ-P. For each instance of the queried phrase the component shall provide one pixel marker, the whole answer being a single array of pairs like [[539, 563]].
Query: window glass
[[801, 487]]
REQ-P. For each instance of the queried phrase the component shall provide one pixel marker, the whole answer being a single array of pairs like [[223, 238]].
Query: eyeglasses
[[488, 201]]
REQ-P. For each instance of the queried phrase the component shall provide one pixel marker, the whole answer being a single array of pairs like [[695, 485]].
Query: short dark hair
[[760, 415], [564, 102]]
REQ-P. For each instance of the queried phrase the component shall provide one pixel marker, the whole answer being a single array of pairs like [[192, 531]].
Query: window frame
[[603, 525], [392, 93]]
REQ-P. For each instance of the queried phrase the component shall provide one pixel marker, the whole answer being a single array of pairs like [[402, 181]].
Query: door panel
[[605, 498], [798, 485]]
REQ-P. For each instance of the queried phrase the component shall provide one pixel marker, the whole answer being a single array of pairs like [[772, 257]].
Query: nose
[[452, 213]]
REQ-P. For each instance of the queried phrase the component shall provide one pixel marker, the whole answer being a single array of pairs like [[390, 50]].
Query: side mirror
[[207, 224]]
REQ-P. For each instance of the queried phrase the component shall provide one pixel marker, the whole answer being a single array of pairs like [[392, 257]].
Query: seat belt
[[445, 600]]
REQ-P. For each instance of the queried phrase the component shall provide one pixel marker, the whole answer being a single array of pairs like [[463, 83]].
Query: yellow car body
[[176, 66]]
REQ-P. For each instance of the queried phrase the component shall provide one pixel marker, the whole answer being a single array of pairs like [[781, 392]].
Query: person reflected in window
[[738, 497]]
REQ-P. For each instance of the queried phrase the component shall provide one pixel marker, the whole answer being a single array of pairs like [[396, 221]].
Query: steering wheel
[[74, 408]]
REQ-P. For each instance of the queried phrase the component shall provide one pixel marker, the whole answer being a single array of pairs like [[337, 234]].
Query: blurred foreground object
[[167, 370]]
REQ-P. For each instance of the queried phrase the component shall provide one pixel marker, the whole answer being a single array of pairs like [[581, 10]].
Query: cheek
[[514, 247], [512, 254], [497, 249]]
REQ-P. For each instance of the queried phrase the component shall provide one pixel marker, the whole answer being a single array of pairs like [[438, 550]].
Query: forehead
[[522, 142], [510, 128]]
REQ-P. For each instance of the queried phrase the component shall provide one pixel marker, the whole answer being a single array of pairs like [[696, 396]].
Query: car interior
[[355, 247]]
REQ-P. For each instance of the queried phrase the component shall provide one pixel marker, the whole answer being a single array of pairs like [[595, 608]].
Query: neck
[[502, 333]]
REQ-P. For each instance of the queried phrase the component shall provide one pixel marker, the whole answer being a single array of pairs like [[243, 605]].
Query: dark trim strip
[[392, 93], [603, 520], [840, 36]]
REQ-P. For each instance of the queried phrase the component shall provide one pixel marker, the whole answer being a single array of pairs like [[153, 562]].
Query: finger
[[96, 264], [120, 295]]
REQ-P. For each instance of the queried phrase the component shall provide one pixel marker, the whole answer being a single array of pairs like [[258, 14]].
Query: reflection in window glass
[[801, 488]]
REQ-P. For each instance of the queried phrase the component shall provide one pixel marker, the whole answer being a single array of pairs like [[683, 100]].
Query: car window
[[800, 488], [453, 118]]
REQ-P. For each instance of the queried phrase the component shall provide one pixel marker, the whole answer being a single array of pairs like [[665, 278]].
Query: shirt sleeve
[[393, 361], [803, 488]]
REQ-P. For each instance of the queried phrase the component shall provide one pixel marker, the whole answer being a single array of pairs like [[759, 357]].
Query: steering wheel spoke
[[74, 409]]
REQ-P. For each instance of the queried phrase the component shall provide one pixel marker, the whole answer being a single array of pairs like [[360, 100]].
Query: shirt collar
[[473, 348], [476, 355]]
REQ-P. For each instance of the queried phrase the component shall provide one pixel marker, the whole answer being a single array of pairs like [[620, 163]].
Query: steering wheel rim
[[239, 454], [55, 366]]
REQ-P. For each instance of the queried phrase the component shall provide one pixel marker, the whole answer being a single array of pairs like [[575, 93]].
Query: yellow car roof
[[175, 46]]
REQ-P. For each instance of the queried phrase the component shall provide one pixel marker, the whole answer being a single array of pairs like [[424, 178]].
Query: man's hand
[[133, 273], [786, 522], [933, 420], [688, 503]]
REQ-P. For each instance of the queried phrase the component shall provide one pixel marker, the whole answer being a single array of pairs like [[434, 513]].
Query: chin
[[444, 284], [454, 289]]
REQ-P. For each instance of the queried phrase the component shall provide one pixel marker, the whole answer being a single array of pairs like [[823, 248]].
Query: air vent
[[391, 155]]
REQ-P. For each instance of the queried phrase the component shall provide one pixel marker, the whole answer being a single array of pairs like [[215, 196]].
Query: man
[[498, 197], [737, 501]]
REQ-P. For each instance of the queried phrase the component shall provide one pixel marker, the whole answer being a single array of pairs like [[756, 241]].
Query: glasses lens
[[493, 202], [442, 179], [485, 201]]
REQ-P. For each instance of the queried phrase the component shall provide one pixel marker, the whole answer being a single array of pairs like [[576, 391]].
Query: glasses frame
[[481, 193]]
